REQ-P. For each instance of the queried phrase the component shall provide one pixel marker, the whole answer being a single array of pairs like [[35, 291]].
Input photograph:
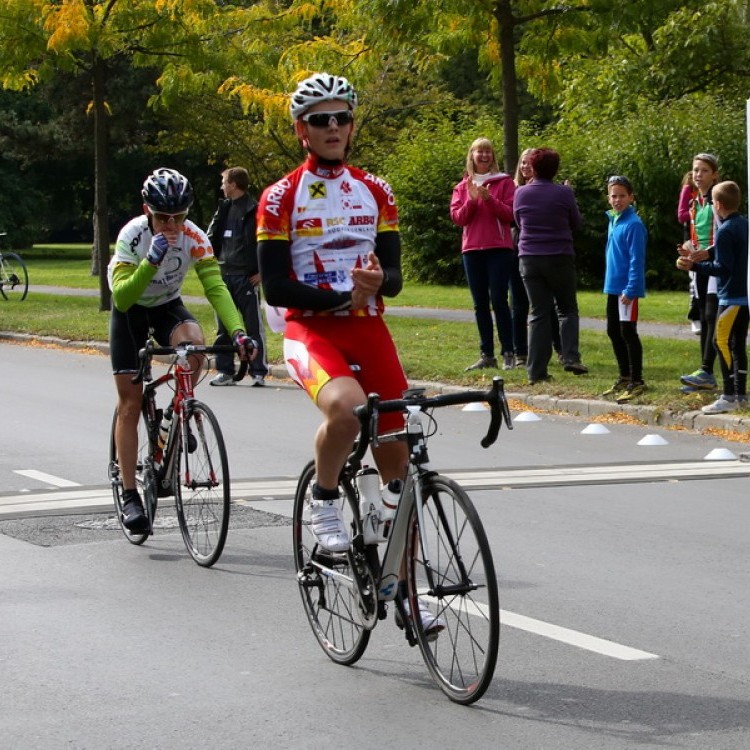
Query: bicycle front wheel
[[326, 578], [115, 476], [201, 485], [450, 571], [14, 278]]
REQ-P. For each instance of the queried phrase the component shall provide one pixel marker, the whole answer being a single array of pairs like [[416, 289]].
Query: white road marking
[[556, 632], [47, 478], [574, 637], [265, 493], [273, 495]]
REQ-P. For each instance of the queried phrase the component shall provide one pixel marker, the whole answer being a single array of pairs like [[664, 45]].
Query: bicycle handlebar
[[495, 396], [184, 348]]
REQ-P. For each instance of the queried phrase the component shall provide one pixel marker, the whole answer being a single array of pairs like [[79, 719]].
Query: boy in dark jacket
[[727, 260]]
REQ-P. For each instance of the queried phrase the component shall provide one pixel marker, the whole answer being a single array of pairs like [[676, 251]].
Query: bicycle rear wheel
[[201, 485], [458, 585], [141, 474], [330, 604], [14, 278]]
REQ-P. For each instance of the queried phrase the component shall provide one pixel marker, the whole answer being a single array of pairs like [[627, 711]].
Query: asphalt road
[[623, 565]]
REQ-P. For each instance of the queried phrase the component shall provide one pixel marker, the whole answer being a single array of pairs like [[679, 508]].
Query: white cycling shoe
[[431, 624], [327, 524]]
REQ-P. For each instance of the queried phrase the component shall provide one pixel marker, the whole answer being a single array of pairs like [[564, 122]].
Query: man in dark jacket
[[232, 235]]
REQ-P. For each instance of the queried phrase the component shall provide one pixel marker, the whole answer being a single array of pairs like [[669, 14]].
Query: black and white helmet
[[321, 87], [167, 191]]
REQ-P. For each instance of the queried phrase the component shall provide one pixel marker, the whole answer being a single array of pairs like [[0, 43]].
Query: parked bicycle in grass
[[435, 531], [14, 278]]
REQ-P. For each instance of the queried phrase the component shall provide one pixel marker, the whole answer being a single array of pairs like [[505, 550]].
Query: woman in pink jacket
[[482, 204]]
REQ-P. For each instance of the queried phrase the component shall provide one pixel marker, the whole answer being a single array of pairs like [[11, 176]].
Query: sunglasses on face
[[325, 119], [617, 179], [165, 218]]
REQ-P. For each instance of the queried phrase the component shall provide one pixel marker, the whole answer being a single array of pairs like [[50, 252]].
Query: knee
[[129, 408], [342, 422]]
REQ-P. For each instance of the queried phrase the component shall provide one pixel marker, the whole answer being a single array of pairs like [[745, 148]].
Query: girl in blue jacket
[[624, 284]]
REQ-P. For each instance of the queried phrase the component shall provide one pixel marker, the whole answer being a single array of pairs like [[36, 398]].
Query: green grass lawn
[[70, 266], [433, 350]]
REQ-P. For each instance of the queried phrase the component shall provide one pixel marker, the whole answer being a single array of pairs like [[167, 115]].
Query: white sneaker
[[722, 405], [431, 624], [223, 378], [327, 524]]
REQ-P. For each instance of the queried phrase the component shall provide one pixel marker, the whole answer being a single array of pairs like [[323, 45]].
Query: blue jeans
[[488, 273]]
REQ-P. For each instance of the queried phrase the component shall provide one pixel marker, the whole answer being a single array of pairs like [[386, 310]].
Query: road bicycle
[[14, 278], [436, 531], [181, 452]]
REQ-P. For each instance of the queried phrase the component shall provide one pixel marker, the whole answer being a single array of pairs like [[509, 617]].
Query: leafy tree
[[653, 146], [432, 30], [39, 38], [426, 162]]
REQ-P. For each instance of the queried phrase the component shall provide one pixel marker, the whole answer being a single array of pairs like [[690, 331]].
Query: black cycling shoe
[[133, 517], [192, 443]]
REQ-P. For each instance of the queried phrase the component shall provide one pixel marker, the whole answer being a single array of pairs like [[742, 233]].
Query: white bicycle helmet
[[321, 87]]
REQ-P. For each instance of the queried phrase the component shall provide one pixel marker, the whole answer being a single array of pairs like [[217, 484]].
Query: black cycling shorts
[[128, 331]]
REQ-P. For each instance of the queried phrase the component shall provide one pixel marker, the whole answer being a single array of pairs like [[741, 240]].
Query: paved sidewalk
[[658, 330], [587, 408]]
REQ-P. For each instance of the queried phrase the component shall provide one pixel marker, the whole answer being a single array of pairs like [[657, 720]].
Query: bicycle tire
[[330, 607], [14, 278], [201, 485], [115, 476], [462, 658]]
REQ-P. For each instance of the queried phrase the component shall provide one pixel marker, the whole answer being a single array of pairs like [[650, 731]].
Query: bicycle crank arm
[[334, 574]]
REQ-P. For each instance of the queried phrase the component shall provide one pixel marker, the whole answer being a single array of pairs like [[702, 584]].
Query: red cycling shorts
[[320, 348]]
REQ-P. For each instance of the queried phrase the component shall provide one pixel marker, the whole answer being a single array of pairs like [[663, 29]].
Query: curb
[[695, 421]]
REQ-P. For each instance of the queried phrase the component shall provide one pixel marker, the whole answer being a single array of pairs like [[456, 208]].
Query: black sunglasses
[[324, 119]]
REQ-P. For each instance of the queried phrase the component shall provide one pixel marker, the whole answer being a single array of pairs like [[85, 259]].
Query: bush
[[426, 163], [654, 148]]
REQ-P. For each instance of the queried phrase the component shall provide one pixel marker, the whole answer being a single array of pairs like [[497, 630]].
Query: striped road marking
[[553, 632], [47, 478], [262, 493]]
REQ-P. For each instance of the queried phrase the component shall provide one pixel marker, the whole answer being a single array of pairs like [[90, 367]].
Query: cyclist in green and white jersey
[[152, 256]]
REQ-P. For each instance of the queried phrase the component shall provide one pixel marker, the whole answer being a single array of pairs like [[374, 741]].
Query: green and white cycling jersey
[[132, 246], [133, 280]]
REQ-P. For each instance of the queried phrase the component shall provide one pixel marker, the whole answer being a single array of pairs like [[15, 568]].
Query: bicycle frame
[[181, 402], [413, 433]]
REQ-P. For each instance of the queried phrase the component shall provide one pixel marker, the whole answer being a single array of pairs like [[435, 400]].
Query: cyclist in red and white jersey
[[329, 251]]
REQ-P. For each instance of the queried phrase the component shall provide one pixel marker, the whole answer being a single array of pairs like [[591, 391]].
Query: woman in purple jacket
[[482, 204], [547, 215]]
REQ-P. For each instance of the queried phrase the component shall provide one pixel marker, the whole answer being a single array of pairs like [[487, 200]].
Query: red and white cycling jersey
[[330, 217]]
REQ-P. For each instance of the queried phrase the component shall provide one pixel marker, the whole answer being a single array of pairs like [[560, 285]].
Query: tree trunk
[[101, 211], [506, 32]]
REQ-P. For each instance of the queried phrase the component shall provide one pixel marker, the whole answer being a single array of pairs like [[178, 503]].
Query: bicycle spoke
[[201, 484], [330, 604], [116, 477], [458, 585]]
